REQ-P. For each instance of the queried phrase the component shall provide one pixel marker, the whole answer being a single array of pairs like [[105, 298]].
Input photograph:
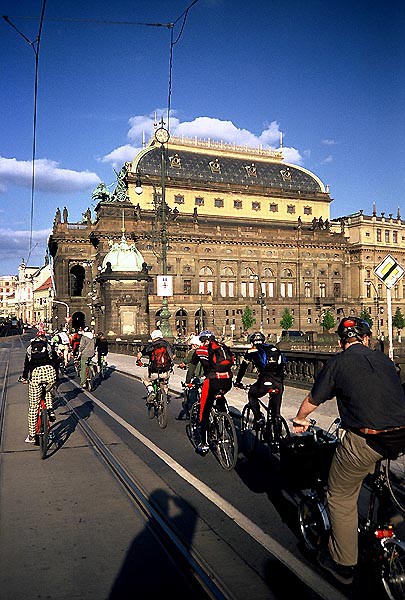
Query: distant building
[[240, 228], [7, 291]]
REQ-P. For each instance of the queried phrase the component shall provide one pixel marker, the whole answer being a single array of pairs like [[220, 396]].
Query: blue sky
[[328, 74]]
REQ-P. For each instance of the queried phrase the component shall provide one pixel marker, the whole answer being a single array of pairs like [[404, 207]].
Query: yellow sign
[[389, 271]]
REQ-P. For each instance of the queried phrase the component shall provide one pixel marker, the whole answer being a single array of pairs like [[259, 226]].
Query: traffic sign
[[389, 271]]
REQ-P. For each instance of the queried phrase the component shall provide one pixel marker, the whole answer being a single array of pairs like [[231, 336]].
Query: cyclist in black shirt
[[269, 362], [371, 405]]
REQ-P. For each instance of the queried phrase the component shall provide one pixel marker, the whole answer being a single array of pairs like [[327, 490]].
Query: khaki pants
[[352, 462]]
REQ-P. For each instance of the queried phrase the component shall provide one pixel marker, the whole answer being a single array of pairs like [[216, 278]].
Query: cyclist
[[75, 343], [87, 350], [269, 362], [216, 360], [371, 405], [101, 347], [40, 367], [61, 343], [160, 365], [193, 375]]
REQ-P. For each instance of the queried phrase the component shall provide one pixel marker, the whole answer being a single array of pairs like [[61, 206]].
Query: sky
[[327, 74]]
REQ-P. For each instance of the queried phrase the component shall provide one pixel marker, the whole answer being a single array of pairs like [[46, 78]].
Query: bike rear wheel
[[278, 430], [223, 441], [43, 432], [162, 411], [395, 475], [250, 435], [393, 568], [314, 523]]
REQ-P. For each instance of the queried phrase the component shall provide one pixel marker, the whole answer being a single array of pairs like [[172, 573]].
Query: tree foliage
[[328, 321], [247, 318], [287, 320], [366, 316], [398, 319]]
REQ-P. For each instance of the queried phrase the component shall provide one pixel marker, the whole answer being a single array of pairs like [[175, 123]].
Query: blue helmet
[[206, 335]]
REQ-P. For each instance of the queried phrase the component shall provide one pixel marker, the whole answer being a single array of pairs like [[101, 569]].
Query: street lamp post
[[89, 264], [64, 304], [162, 136], [368, 282], [260, 298]]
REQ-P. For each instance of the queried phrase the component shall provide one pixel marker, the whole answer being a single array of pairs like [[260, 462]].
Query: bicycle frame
[[42, 425], [159, 406]]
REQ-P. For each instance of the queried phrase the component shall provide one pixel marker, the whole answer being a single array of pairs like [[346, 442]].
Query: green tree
[[287, 319], [365, 315], [328, 321], [398, 320], [248, 319]]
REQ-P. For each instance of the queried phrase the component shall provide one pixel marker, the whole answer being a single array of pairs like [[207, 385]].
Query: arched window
[[205, 271], [76, 280], [307, 289], [247, 272], [181, 319], [200, 319], [268, 273], [287, 273], [227, 272]]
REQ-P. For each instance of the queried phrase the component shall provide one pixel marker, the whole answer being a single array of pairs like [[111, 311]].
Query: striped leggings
[[45, 374]]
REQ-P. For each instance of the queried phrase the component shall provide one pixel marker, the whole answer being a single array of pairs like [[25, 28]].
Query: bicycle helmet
[[156, 334], [353, 327], [257, 338], [195, 340], [206, 335]]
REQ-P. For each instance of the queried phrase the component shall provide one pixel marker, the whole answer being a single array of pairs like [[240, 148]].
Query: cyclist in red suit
[[218, 377]]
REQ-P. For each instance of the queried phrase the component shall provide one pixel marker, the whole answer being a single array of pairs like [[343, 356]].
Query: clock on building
[[162, 135]]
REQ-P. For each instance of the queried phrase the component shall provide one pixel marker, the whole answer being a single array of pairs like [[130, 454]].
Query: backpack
[[39, 353], [161, 359], [220, 357], [270, 358]]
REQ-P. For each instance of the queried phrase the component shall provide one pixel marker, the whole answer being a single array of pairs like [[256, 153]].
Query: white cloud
[[327, 142], [327, 160], [142, 127], [15, 243], [49, 177], [121, 155]]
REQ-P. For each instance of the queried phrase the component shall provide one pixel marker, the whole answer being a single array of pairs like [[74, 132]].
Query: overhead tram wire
[[35, 46]]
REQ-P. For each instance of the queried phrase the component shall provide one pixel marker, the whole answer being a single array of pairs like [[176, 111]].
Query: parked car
[[291, 333]]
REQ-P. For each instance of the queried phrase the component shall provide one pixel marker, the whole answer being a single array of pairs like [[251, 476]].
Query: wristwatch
[[162, 135]]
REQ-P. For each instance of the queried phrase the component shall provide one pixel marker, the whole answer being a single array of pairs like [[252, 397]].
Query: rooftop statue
[[101, 193]]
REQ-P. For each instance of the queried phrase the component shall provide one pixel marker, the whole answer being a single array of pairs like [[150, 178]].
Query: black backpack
[[39, 352], [271, 359], [220, 357]]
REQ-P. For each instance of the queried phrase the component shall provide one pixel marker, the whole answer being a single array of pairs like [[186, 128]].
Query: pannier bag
[[305, 459]]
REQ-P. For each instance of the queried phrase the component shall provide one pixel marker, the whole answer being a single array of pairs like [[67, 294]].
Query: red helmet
[[353, 327]]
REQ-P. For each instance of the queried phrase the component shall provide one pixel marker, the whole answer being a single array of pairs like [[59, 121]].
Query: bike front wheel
[[162, 410], [43, 432], [393, 568], [194, 424], [314, 523], [250, 434], [224, 441], [395, 475]]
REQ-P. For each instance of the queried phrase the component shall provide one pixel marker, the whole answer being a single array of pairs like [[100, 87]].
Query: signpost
[[389, 271]]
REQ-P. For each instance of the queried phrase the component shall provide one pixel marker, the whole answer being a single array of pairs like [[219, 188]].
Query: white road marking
[[303, 572]]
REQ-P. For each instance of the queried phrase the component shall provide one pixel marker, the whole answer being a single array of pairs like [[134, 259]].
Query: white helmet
[[156, 334], [195, 340]]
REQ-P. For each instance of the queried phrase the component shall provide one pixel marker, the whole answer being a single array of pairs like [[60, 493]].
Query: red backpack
[[220, 357], [161, 359]]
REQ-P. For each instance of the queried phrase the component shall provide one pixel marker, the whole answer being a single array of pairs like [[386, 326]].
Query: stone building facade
[[238, 227]]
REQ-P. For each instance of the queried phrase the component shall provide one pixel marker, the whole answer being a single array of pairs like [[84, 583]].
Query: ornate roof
[[226, 164], [123, 257]]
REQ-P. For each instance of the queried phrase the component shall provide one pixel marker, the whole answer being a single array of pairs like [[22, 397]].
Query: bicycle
[[271, 433], [103, 367], [192, 393], [90, 374], [221, 434], [42, 424], [158, 407], [377, 539]]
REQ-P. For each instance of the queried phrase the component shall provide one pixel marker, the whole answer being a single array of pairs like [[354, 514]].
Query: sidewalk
[[237, 399]]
